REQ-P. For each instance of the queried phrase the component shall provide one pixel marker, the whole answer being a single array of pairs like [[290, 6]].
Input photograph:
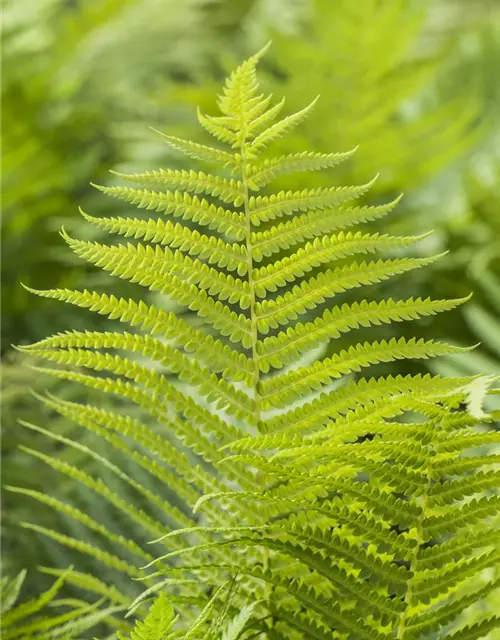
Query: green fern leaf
[[182, 205], [342, 507], [229, 256], [310, 293], [268, 170], [227, 190], [156, 321], [320, 251], [159, 623], [279, 129], [478, 630], [199, 151], [283, 389], [309, 225], [23, 621], [266, 208], [287, 346]]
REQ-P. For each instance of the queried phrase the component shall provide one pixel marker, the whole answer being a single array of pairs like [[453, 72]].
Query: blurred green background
[[415, 84]]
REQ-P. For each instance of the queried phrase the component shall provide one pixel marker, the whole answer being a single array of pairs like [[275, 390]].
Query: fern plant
[[21, 620], [342, 504], [161, 622]]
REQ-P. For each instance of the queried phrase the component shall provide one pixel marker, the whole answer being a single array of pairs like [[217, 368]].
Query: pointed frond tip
[[199, 151], [281, 128], [260, 174]]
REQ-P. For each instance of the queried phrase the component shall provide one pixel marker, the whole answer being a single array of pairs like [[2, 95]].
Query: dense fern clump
[[341, 506]]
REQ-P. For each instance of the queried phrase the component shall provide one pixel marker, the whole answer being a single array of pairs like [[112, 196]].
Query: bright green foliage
[[369, 62], [160, 622], [25, 622], [342, 504]]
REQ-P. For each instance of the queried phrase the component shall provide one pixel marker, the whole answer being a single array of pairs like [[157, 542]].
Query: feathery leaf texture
[[23, 620], [341, 506]]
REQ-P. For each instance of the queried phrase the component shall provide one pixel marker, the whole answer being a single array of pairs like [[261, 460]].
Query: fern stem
[[414, 556], [253, 323], [253, 314]]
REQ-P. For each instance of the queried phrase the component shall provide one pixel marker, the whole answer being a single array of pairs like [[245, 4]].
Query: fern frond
[[345, 507], [437, 556], [236, 326], [309, 225], [281, 390], [89, 583], [227, 190], [151, 380], [478, 630], [104, 423], [448, 612], [24, 621], [462, 487], [310, 293], [446, 466], [279, 129], [199, 151], [182, 205], [287, 346], [83, 518], [66, 625], [104, 557], [239, 100], [270, 169], [146, 266], [13, 615], [224, 394], [457, 518], [97, 485], [229, 256], [188, 433], [157, 321], [159, 622], [469, 439], [266, 208], [259, 119], [219, 129], [431, 583], [321, 251], [10, 590]]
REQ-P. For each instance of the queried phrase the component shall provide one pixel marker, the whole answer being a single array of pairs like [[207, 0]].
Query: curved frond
[[225, 255], [199, 151], [281, 390], [268, 170], [266, 208], [227, 190], [287, 346], [321, 251], [310, 293], [182, 205], [310, 225]]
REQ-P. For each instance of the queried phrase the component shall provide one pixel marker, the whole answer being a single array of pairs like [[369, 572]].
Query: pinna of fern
[[342, 504], [161, 621], [29, 619]]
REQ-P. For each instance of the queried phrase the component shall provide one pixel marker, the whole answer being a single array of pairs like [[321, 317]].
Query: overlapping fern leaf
[[162, 623], [341, 502], [29, 619]]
